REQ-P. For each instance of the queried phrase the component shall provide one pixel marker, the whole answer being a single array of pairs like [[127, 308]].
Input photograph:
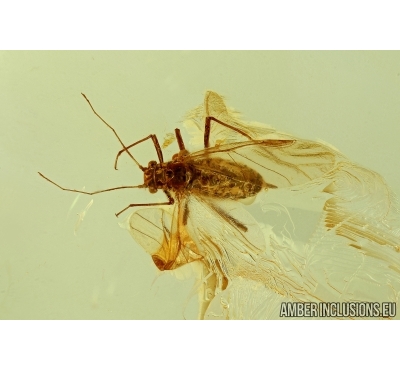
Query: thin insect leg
[[115, 133], [156, 145], [233, 221], [208, 128], [179, 139], [167, 193], [158, 148], [93, 192], [185, 213]]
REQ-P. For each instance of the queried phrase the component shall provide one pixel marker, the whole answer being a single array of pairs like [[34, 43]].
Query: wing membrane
[[214, 106], [281, 159], [161, 233], [221, 233], [281, 163], [177, 238], [226, 235]]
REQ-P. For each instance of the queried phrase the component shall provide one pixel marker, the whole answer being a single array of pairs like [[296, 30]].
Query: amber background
[[349, 99]]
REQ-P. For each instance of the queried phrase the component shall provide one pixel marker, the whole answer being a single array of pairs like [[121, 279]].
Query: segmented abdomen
[[224, 179]]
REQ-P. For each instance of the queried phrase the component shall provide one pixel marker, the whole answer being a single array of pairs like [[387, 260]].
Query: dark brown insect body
[[208, 177]]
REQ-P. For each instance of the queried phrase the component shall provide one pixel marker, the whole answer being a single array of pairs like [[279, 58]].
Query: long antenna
[[93, 192], [115, 133]]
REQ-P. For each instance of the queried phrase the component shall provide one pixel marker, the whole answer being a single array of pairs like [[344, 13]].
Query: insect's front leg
[[207, 130], [156, 145], [167, 193]]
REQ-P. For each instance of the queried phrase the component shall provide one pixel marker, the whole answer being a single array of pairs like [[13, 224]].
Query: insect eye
[[152, 163]]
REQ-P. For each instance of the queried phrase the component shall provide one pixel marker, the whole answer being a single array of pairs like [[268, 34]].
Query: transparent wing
[[355, 250], [226, 235], [342, 248], [214, 106], [197, 228], [222, 234], [235, 246], [281, 163], [281, 159], [225, 222], [161, 234]]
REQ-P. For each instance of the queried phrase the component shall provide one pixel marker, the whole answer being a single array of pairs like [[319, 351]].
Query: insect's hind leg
[[207, 130]]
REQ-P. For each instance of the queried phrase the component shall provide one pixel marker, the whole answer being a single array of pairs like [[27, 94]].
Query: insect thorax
[[216, 177]]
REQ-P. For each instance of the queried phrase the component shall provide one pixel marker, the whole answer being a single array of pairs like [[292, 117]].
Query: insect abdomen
[[223, 179]]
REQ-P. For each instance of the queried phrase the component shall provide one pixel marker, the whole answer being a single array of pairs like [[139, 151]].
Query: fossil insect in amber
[[271, 218]]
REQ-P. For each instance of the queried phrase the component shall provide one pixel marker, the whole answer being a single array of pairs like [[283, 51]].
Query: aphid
[[207, 191]]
